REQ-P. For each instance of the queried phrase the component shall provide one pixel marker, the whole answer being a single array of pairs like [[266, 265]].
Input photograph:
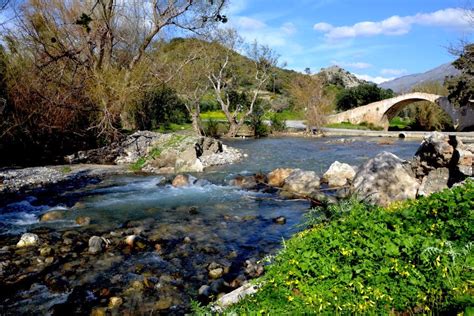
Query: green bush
[[255, 121], [158, 109], [412, 257], [277, 124], [212, 128]]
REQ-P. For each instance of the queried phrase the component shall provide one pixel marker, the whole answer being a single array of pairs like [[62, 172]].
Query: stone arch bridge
[[381, 112]]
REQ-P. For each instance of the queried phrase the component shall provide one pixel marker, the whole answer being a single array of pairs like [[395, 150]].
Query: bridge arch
[[406, 100], [379, 113]]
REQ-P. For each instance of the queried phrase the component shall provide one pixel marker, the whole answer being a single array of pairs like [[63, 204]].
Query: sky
[[378, 40]]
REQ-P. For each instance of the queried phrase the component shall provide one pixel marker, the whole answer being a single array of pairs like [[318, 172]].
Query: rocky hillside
[[338, 76], [407, 83]]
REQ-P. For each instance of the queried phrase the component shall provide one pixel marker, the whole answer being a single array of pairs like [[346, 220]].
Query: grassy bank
[[413, 257], [362, 126]]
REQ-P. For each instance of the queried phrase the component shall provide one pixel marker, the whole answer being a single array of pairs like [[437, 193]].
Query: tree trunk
[[197, 126], [233, 129]]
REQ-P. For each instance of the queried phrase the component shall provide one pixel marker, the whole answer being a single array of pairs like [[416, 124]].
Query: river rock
[[234, 297], [216, 273], [83, 220], [27, 240], [244, 182], [385, 179], [277, 177], [205, 290], [301, 182], [46, 251], [435, 181], [115, 302], [97, 244], [339, 174], [435, 151], [52, 216], [189, 162], [181, 180], [280, 220]]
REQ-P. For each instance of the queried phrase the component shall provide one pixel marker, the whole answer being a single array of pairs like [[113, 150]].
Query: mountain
[[407, 83], [338, 76]]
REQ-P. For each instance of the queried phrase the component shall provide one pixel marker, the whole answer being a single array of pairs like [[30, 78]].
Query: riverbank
[[411, 258]]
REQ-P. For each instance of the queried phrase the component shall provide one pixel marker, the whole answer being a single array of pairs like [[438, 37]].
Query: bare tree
[[106, 42], [186, 73], [224, 81], [308, 93]]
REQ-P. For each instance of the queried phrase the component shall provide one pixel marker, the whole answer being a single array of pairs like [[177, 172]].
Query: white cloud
[[288, 28], [323, 27], [396, 25], [246, 23], [356, 65], [393, 72], [376, 79]]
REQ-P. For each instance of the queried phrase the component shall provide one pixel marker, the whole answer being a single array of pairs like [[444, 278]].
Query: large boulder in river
[[188, 161], [302, 183], [435, 181], [385, 179], [445, 152], [277, 177], [339, 174], [440, 150]]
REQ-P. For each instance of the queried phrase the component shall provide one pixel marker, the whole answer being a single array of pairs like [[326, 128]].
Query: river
[[183, 231]]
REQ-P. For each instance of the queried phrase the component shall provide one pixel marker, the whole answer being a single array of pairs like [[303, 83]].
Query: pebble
[[280, 220], [46, 251], [28, 239], [51, 216], [205, 290], [115, 302], [97, 244], [216, 273], [83, 220]]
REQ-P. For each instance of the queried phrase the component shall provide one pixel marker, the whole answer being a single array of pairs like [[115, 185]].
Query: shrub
[[277, 124], [255, 121], [159, 107], [212, 128]]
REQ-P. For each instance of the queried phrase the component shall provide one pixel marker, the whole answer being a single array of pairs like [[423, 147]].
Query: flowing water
[[184, 230]]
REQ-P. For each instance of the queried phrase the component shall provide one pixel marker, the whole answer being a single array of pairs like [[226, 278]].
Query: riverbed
[[184, 232]]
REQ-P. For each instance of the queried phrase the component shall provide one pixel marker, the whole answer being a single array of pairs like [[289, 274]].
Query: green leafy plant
[[212, 128], [413, 257], [277, 124]]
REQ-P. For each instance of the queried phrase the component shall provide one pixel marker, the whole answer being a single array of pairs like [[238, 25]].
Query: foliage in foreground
[[413, 257]]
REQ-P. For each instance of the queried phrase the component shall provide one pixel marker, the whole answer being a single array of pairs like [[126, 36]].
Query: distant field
[[284, 115]]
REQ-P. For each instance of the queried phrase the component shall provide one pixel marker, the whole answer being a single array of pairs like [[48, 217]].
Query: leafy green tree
[[361, 95], [159, 107], [461, 88], [255, 120]]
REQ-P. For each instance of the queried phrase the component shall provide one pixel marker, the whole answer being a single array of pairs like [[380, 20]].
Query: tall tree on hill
[[224, 80], [102, 46]]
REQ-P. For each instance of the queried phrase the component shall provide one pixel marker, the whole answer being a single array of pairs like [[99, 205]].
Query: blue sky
[[375, 39]]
